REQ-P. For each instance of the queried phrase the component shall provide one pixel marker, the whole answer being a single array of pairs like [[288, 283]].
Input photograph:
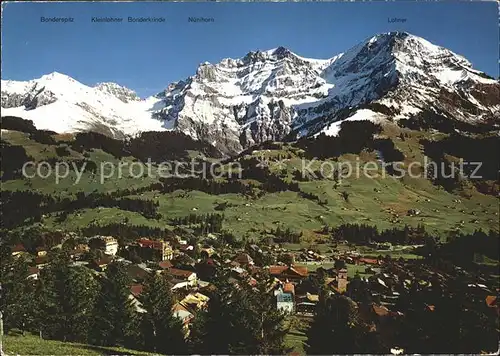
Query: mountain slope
[[401, 75], [274, 94]]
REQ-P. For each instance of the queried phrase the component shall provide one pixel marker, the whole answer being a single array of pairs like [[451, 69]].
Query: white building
[[110, 245], [284, 302]]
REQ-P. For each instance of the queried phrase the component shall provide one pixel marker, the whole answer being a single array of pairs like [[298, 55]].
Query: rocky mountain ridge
[[274, 94]]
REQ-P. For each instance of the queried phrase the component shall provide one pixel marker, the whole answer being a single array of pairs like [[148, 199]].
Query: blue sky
[[147, 57]]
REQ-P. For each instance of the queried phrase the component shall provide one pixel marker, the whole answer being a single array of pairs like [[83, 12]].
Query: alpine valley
[[262, 240], [274, 95]]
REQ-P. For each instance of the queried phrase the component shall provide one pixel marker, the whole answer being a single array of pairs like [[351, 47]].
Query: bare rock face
[[124, 94], [34, 97], [270, 95], [11, 100]]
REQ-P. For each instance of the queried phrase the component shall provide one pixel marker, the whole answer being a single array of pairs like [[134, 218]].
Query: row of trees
[[17, 206], [70, 304], [338, 328], [12, 158], [286, 235], [480, 156], [239, 320], [126, 231], [158, 146], [204, 223], [353, 137], [207, 186], [366, 234]]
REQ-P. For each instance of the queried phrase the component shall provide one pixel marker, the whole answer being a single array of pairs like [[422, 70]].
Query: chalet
[[33, 273], [17, 250], [314, 298], [194, 302], [307, 304], [314, 256], [188, 278], [137, 273], [292, 273], [368, 261], [380, 310], [136, 289], [102, 263], [82, 247], [42, 261], [492, 302], [338, 283], [244, 259], [79, 251], [165, 264], [289, 288], [41, 251], [252, 282]]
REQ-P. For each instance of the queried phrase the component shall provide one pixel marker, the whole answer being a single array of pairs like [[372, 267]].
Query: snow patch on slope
[[360, 115]]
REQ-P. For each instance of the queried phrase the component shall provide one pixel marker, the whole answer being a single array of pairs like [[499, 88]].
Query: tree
[[211, 329], [162, 331], [272, 337], [240, 319], [286, 258], [65, 299], [18, 292], [114, 314], [337, 319]]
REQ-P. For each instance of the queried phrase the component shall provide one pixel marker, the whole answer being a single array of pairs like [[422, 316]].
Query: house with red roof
[[182, 277], [33, 273], [244, 259], [289, 273]]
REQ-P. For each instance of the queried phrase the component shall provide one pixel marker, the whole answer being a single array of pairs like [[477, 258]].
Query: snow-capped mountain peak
[[60, 103], [272, 94]]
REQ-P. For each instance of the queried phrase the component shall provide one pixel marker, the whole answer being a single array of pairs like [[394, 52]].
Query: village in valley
[[379, 287], [275, 187]]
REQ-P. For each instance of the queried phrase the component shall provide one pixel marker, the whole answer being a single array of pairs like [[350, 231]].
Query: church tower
[[342, 280]]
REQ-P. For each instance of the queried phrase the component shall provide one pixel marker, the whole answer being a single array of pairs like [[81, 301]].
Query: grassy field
[[383, 202], [33, 345], [296, 338]]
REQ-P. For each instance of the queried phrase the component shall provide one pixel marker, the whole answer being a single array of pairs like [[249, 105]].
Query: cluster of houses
[[293, 287]]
